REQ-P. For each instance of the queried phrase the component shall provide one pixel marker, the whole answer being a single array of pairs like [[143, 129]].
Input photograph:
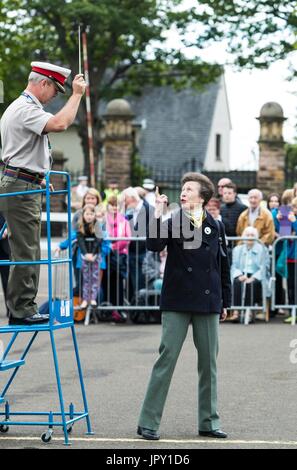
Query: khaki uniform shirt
[[23, 144]]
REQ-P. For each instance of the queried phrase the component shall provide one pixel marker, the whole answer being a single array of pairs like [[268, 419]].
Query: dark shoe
[[35, 319], [218, 434], [148, 434]]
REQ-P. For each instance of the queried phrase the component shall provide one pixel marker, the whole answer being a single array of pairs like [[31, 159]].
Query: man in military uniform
[[196, 290], [26, 157]]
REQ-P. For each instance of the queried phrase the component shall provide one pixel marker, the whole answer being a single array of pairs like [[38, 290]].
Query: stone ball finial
[[119, 108], [271, 110]]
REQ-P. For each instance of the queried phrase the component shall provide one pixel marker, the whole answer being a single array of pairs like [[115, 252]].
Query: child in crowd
[[77, 266], [89, 238], [92, 197], [113, 281], [101, 215]]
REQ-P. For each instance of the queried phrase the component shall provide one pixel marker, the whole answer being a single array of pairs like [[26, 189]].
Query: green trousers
[[23, 217], [174, 330]]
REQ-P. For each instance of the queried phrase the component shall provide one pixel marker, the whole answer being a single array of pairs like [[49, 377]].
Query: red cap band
[[49, 73]]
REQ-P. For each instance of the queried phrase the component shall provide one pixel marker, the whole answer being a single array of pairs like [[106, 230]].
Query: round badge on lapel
[[207, 230]]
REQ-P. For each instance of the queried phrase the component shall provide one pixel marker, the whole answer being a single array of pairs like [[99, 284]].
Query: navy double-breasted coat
[[196, 279]]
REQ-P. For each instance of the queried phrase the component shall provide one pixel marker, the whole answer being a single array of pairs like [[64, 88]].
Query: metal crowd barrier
[[123, 288], [129, 288], [60, 306], [284, 274], [253, 297]]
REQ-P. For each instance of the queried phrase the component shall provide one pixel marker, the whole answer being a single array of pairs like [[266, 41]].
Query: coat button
[[207, 248], [190, 269], [207, 291], [207, 270]]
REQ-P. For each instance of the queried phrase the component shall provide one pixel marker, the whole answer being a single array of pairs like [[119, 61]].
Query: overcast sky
[[247, 92]]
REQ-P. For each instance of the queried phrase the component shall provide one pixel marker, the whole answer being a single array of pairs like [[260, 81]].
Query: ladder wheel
[[47, 436], [4, 428]]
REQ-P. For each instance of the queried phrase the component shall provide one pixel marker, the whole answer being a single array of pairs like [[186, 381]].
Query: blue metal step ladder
[[60, 316]]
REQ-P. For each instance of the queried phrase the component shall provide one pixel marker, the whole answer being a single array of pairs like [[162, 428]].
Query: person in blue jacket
[[76, 255]]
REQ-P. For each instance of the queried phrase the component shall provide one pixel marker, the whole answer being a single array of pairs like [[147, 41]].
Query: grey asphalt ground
[[257, 387]]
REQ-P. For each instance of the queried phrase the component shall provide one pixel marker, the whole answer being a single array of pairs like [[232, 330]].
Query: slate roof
[[176, 125]]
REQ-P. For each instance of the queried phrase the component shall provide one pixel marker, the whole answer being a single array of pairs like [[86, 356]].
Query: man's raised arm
[[65, 117]]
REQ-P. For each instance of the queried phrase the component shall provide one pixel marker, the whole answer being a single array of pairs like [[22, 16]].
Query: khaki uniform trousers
[[174, 330], [23, 217]]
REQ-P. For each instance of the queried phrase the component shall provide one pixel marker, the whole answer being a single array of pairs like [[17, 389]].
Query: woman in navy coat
[[197, 290]]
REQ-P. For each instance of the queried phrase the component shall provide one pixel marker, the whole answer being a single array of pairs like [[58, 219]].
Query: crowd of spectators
[[251, 262], [116, 271], [127, 268]]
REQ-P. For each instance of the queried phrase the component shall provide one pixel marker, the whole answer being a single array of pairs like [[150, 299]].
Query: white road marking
[[161, 441]]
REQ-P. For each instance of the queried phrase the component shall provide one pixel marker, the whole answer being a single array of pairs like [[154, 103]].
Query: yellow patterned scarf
[[196, 221]]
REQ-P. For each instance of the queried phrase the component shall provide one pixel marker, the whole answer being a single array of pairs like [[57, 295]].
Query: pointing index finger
[[157, 194]]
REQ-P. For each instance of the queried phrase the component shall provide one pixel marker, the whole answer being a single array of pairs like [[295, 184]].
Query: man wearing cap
[[78, 192], [26, 157], [149, 187]]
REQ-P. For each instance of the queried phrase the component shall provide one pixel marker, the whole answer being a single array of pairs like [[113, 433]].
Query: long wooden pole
[[79, 50], [89, 113]]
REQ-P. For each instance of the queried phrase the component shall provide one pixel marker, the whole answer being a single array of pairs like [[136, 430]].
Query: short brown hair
[[231, 186], [206, 190]]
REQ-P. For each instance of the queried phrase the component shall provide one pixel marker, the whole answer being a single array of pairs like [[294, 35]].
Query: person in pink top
[[116, 226]]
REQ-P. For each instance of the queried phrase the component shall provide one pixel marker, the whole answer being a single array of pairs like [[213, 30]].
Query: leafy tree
[[138, 171], [291, 156], [128, 42], [291, 164], [257, 32]]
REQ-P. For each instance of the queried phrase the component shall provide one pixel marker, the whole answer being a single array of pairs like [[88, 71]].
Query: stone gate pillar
[[271, 174], [118, 143]]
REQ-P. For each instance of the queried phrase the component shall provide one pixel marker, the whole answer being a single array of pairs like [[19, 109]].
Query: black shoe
[[148, 434], [35, 319], [218, 434]]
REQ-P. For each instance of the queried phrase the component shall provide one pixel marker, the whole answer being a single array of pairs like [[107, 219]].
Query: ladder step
[[2, 400], [5, 365]]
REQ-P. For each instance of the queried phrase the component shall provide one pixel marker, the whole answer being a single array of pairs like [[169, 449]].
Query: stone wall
[[271, 173], [118, 143]]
